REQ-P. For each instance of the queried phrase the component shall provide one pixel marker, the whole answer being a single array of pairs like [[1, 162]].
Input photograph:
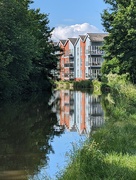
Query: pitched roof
[[63, 41], [97, 37], [82, 37], [72, 40]]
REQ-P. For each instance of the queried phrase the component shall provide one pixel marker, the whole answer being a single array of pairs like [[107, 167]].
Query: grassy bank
[[63, 85], [93, 86], [110, 154]]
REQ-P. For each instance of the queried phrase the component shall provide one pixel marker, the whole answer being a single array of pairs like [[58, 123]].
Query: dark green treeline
[[27, 54], [119, 20]]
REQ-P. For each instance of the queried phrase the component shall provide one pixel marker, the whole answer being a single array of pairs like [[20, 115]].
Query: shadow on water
[[26, 129]]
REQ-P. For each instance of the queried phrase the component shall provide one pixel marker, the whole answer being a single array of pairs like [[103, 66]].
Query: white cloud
[[64, 32]]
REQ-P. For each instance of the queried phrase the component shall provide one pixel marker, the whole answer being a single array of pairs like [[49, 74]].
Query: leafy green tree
[[16, 46], [27, 54], [47, 58], [120, 22]]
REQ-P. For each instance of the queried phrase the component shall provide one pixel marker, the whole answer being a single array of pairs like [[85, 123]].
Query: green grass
[[63, 84], [91, 164], [110, 154]]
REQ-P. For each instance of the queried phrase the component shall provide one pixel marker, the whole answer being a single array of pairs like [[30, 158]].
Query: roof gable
[[72, 40], [63, 41], [97, 37], [82, 37]]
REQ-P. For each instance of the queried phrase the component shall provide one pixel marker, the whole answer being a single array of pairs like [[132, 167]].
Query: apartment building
[[82, 58], [67, 59]]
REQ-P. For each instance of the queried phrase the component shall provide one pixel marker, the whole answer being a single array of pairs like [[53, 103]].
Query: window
[[96, 61], [86, 63], [96, 50], [78, 51], [77, 73], [66, 65], [86, 75], [71, 51], [66, 75], [89, 47], [77, 61], [81, 51], [81, 62], [80, 73]]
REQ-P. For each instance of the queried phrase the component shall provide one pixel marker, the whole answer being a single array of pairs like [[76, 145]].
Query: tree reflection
[[26, 130]]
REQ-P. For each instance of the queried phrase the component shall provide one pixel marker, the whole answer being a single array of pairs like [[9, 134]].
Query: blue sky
[[65, 14]]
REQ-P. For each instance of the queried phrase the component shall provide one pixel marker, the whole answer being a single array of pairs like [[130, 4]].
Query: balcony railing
[[69, 55], [87, 51], [71, 60], [66, 65], [71, 65], [96, 64], [97, 52]]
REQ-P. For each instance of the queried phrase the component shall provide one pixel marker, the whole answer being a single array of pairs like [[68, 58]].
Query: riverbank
[[94, 85], [110, 153]]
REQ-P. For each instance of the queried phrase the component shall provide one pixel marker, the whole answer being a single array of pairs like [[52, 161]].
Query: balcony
[[71, 66], [66, 65], [71, 111], [68, 55], [96, 114], [87, 51], [71, 56], [71, 60], [96, 64], [66, 75], [97, 52], [71, 101]]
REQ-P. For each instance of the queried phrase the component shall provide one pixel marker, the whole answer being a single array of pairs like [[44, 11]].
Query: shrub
[[83, 84]]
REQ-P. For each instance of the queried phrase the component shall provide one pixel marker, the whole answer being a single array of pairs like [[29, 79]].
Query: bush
[[83, 84], [105, 88]]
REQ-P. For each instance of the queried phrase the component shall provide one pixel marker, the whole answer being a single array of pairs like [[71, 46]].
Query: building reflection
[[79, 112]]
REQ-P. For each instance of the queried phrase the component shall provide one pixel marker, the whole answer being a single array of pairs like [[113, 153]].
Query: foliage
[[64, 84], [120, 22], [96, 87], [110, 66], [111, 150], [105, 88], [82, 84], [27, 54]]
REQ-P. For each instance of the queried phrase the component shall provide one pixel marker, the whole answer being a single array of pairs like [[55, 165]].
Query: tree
[[27, 54], [120, 52], [46, 59], [17, 47]]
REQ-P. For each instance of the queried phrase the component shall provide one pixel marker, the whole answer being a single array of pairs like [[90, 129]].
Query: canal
[[37, 136]]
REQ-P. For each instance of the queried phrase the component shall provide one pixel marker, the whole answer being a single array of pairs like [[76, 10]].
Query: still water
[[37, 136]]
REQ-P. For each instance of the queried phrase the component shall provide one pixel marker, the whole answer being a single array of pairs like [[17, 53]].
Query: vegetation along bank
[[110, 153]]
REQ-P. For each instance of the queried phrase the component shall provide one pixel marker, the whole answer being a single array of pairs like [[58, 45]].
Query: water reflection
[[26, 129], [32, 132], [79, 111]]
